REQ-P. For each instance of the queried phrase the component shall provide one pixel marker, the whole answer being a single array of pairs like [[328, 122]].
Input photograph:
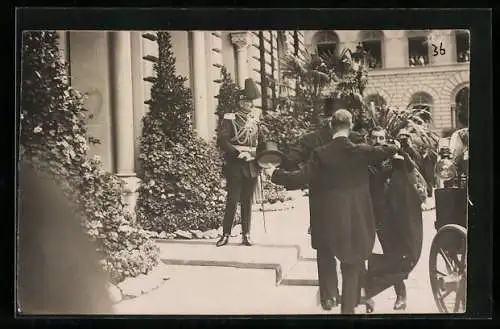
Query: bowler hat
[[251, 90]]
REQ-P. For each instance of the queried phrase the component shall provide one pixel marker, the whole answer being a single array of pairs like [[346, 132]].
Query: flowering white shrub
[[53, 136]]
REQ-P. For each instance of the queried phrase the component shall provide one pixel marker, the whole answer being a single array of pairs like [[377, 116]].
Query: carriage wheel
[[448, 268]]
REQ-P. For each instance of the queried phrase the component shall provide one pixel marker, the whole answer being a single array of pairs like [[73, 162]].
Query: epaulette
[[229, 116], [463, 134]]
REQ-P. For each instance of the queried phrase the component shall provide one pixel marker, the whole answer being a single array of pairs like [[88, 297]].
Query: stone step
[[279, 258], [303, 273], [204, 290], [306, 251]]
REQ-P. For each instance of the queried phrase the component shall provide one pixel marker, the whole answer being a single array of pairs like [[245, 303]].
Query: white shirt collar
[[342, 133]]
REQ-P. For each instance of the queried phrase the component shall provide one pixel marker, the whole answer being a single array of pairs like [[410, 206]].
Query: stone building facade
[[418, 67], [115, 70]]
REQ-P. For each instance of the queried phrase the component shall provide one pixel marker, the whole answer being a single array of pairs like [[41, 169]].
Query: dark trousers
[[382, 232], [327, 274], [240, 189], [428, 172], [351, 283]]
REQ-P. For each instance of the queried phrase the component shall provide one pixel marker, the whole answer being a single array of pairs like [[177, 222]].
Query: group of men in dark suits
[[333, 163], [341, 210]]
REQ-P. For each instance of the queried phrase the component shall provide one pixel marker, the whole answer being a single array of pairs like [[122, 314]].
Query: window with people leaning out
[[418, 50], [463, 47], [326, 49], [373, 49]]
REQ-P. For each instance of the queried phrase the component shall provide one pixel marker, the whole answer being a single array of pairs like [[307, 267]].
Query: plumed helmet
[[251, 90]]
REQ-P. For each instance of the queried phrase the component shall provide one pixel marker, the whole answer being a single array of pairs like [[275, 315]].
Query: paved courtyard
[[225, 289]]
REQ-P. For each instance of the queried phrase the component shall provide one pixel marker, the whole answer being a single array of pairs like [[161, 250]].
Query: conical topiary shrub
[[228, 97], [181, 175]]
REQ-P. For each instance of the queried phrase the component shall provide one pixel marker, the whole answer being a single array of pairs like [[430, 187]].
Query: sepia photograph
[[243, 172]]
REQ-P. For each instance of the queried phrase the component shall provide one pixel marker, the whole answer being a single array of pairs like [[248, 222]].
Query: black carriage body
[[451, 206], [448, 253]]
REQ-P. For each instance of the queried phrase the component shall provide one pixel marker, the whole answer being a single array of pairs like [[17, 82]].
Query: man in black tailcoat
[[297, 157], [239, 137], [343, 225]]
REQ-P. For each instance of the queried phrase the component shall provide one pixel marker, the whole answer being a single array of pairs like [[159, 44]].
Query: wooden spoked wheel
[[448, 268]]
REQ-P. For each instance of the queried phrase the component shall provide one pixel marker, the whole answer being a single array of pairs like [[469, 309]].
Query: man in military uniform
[[239, 137]]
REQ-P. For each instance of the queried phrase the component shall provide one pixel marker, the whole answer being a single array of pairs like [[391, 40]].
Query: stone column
[[240, 41], [64, 45], [138, 91], [347, 39], [200, 83], [395, 49], [453, 111], [123, 110]]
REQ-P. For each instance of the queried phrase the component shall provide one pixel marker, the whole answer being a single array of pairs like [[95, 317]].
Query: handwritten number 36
[[438, 51]]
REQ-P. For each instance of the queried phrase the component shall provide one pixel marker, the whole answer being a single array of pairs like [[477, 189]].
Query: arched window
[[375, 98], [462, 107], [326, 43], [462, 38], [418, 47], [371, 42], [422, 101]]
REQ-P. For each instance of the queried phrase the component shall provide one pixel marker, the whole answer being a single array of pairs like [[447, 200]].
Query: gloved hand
[[270, 170], [245, 156], [397, 143]]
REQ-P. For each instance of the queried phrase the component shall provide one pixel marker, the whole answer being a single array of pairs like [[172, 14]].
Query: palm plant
[[411, 121], [349, 76], [313, 74]]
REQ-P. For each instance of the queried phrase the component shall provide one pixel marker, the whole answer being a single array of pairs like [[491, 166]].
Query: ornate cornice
[[240, 39], [458, 67]]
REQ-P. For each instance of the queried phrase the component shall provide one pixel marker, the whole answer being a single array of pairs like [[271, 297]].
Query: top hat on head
[[251, 90]]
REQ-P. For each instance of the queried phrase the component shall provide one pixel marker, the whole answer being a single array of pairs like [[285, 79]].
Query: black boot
[[369, 304], [329, 303], [223, 240], [246, 240], [400, 303]]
